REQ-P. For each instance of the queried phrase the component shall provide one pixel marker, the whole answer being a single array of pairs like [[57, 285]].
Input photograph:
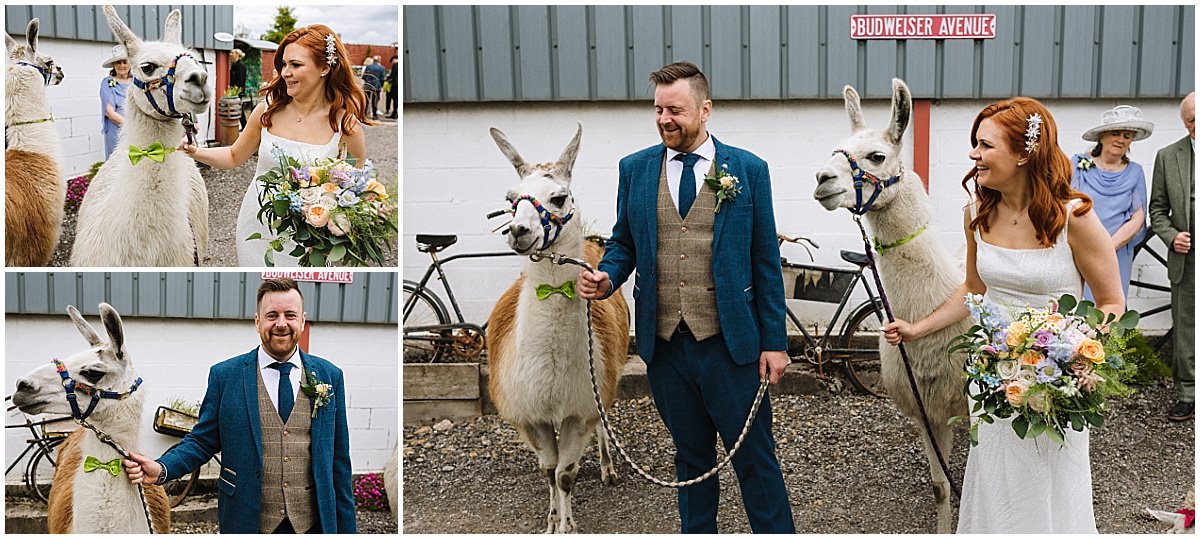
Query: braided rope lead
[[912, 380], [109, 441], [612, 435]]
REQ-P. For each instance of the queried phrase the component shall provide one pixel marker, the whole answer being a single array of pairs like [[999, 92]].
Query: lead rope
[[912, 380], [561, 259], [109, 441]]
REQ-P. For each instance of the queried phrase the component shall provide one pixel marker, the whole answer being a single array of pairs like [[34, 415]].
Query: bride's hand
[[899, 331], [188, 148]]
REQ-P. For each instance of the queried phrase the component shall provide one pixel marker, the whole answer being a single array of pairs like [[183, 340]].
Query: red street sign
[[956, 26], [313, 276]]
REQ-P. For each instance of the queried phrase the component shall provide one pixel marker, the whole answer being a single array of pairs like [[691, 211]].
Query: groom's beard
[[278, 346]]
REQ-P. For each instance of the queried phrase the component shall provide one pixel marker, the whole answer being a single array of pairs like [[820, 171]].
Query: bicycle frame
[[820, 345], [423, 284], [38, 441]]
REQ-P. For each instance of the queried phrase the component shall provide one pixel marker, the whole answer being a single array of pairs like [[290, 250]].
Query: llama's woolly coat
[[60, 519]]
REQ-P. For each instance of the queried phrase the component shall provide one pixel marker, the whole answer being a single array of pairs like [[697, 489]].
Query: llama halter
[[72, 385], [167, 81], [863, 177], [47, 74], [547, 219]]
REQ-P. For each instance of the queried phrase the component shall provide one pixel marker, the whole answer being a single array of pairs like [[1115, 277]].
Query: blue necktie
[[687, 182], [286, 399]]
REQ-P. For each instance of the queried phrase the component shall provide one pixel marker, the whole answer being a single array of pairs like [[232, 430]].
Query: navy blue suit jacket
[[745, 253], [229, 424]]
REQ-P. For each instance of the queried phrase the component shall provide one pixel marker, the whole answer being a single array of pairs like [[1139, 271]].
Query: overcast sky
[[371, 25]]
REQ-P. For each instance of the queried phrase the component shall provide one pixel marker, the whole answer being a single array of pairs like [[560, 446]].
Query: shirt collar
[[265, 359], [707, 150]]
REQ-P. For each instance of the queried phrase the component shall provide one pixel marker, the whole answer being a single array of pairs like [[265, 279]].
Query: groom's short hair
[[686, 71], [282, 284]]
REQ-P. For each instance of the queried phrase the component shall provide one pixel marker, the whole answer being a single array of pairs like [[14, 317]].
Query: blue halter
[[863, 177], [71, 385], [548, 219], [47, 74], [167, 81]]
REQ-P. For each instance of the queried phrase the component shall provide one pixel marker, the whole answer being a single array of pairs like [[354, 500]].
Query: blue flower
[[347, 198], [294, 202]]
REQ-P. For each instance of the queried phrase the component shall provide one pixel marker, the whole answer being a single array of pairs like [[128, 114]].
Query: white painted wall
[[173, 357], [454, 174], [76, 101]]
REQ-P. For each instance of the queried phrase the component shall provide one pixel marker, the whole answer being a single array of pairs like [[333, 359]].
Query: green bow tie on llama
[[156, 152], [92, 464], [567, 289]]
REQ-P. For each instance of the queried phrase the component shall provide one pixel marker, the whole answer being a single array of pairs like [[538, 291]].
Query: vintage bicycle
[[41, 448]]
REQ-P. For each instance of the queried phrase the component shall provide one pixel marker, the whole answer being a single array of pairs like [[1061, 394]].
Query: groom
[[709, 298], [285, 450]]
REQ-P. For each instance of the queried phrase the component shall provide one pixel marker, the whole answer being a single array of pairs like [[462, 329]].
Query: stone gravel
[[366, 522], [852, 464], [226, 188]]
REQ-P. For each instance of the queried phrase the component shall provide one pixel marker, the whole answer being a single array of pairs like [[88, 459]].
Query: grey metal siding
[[87, 22], [571, 53], [371, 298]]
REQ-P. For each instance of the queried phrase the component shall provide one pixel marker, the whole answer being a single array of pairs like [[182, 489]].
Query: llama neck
[[26, 104], [904, 214], [143, 129], [120, 419], [569, 243], [103, 503]]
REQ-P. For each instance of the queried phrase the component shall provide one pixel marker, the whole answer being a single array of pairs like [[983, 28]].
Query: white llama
[[918, 274], [538, 348], [95, 501], [149, 213], [34, 186]]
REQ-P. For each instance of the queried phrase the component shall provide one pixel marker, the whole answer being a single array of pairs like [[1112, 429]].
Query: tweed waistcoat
[[287, 478], [686, 290]]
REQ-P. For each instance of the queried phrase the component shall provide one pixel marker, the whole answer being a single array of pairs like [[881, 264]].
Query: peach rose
[[377, 188], [330, 187], [317, 215], [1015, 393], [1091, 350], [1038, 401], [1031, 357], [339, 224], [1016, 333]]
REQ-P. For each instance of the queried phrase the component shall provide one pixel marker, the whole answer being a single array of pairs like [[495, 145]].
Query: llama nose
[[824, 176], [198, 78], [24, 385], [517, 231]]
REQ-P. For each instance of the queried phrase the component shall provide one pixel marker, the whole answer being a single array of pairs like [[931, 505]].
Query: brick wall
[[356, 52]]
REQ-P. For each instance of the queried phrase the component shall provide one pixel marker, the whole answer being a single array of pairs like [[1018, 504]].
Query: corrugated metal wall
[[371, 298], [568, 53], [87, 22]]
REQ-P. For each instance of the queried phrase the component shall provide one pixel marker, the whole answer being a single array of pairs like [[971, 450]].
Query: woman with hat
[[112, 97], [1116, 185]]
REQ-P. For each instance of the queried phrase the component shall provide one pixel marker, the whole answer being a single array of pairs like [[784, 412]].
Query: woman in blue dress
[[112, 97], [1116, 184]]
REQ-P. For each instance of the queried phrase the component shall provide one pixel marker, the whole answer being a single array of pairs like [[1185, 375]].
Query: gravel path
[[365, 521], [852, 464], [226, 188]]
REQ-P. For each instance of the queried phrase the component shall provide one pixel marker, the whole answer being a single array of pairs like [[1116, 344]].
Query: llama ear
[[9, 44], [566, 161], [84, 327], [173, 32], [854, 109], [901, 111], [510, 152], [31, 35], [124, 35], [115, 329]]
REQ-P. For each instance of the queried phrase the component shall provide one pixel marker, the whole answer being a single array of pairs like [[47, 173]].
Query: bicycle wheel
[[422, 308], [39, 476], [178, 489], [862, 333]]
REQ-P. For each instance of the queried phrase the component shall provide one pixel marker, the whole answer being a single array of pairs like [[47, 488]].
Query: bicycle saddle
[[435, 243], [858, 259]]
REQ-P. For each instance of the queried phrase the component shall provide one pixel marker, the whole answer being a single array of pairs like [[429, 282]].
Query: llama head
[[875, 151], [541, 200], [27, 56], [102, 365], [151, 61]]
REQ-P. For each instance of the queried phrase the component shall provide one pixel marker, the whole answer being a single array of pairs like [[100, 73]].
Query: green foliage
[[285, 23], [1142, 365], [190, 407]]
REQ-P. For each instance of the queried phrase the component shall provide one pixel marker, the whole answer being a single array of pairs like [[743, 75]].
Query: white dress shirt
[[270, 375], [707, 151]]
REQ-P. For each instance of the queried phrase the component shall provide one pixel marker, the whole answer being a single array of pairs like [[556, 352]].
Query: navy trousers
[[700, 392]]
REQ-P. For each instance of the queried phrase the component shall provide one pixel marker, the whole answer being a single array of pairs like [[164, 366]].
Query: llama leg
[[572, 440], [941, 485], [608, 471], [540, 437]]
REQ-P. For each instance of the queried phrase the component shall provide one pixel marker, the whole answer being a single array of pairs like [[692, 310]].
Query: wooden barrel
[[229, 110]]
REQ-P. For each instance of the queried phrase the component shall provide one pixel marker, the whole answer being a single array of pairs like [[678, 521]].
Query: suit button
[[285, 433], [285, 459], [682, 284], [683, 229], [282, 512], [285, 484], [683, 257]]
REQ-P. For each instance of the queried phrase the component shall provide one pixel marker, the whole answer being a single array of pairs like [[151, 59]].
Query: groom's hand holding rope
[[142, 469], [593, 284]]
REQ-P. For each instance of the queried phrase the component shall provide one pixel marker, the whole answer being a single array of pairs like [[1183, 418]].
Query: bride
[[311, 110], [1030, 238]]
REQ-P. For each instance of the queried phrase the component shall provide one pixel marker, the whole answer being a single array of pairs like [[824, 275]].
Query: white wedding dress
[[251, 252], [1032, 485]]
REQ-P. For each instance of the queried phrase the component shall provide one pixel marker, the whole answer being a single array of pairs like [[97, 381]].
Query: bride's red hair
[[341, 89], [1049, 169]]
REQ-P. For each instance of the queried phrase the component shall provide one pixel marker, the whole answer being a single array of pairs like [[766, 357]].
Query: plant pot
[[229, 110], [174, 422]]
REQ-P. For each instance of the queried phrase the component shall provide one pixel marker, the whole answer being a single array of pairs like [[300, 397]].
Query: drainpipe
[[921, 139]]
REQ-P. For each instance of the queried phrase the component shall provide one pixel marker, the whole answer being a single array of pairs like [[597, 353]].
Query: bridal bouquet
[[1048, 369], [334, 212]]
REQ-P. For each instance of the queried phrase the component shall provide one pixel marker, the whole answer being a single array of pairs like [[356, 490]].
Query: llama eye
[[148, 68], [559, 200], [877, 158], [93, 377]]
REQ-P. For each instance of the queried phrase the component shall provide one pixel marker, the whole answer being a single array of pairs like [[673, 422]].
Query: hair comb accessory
[[1033, 133], [330, 50]]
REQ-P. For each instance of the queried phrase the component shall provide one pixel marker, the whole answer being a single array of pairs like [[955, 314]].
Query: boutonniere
[[320, 392], [1085, 163], [112, 83], [725, 184]]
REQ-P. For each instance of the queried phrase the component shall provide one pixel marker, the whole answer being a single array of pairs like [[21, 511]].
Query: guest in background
[[390, 88], [112, 97], [237, 76]]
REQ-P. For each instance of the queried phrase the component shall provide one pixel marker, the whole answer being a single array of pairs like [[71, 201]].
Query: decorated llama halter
[[72, 385], [47, 74], [862, 177], [549, 220], [167, 81]]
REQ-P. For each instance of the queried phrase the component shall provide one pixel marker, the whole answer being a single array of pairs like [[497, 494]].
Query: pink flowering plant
[[336, 214], [77, 187], [369, 494], [1048, 369]]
